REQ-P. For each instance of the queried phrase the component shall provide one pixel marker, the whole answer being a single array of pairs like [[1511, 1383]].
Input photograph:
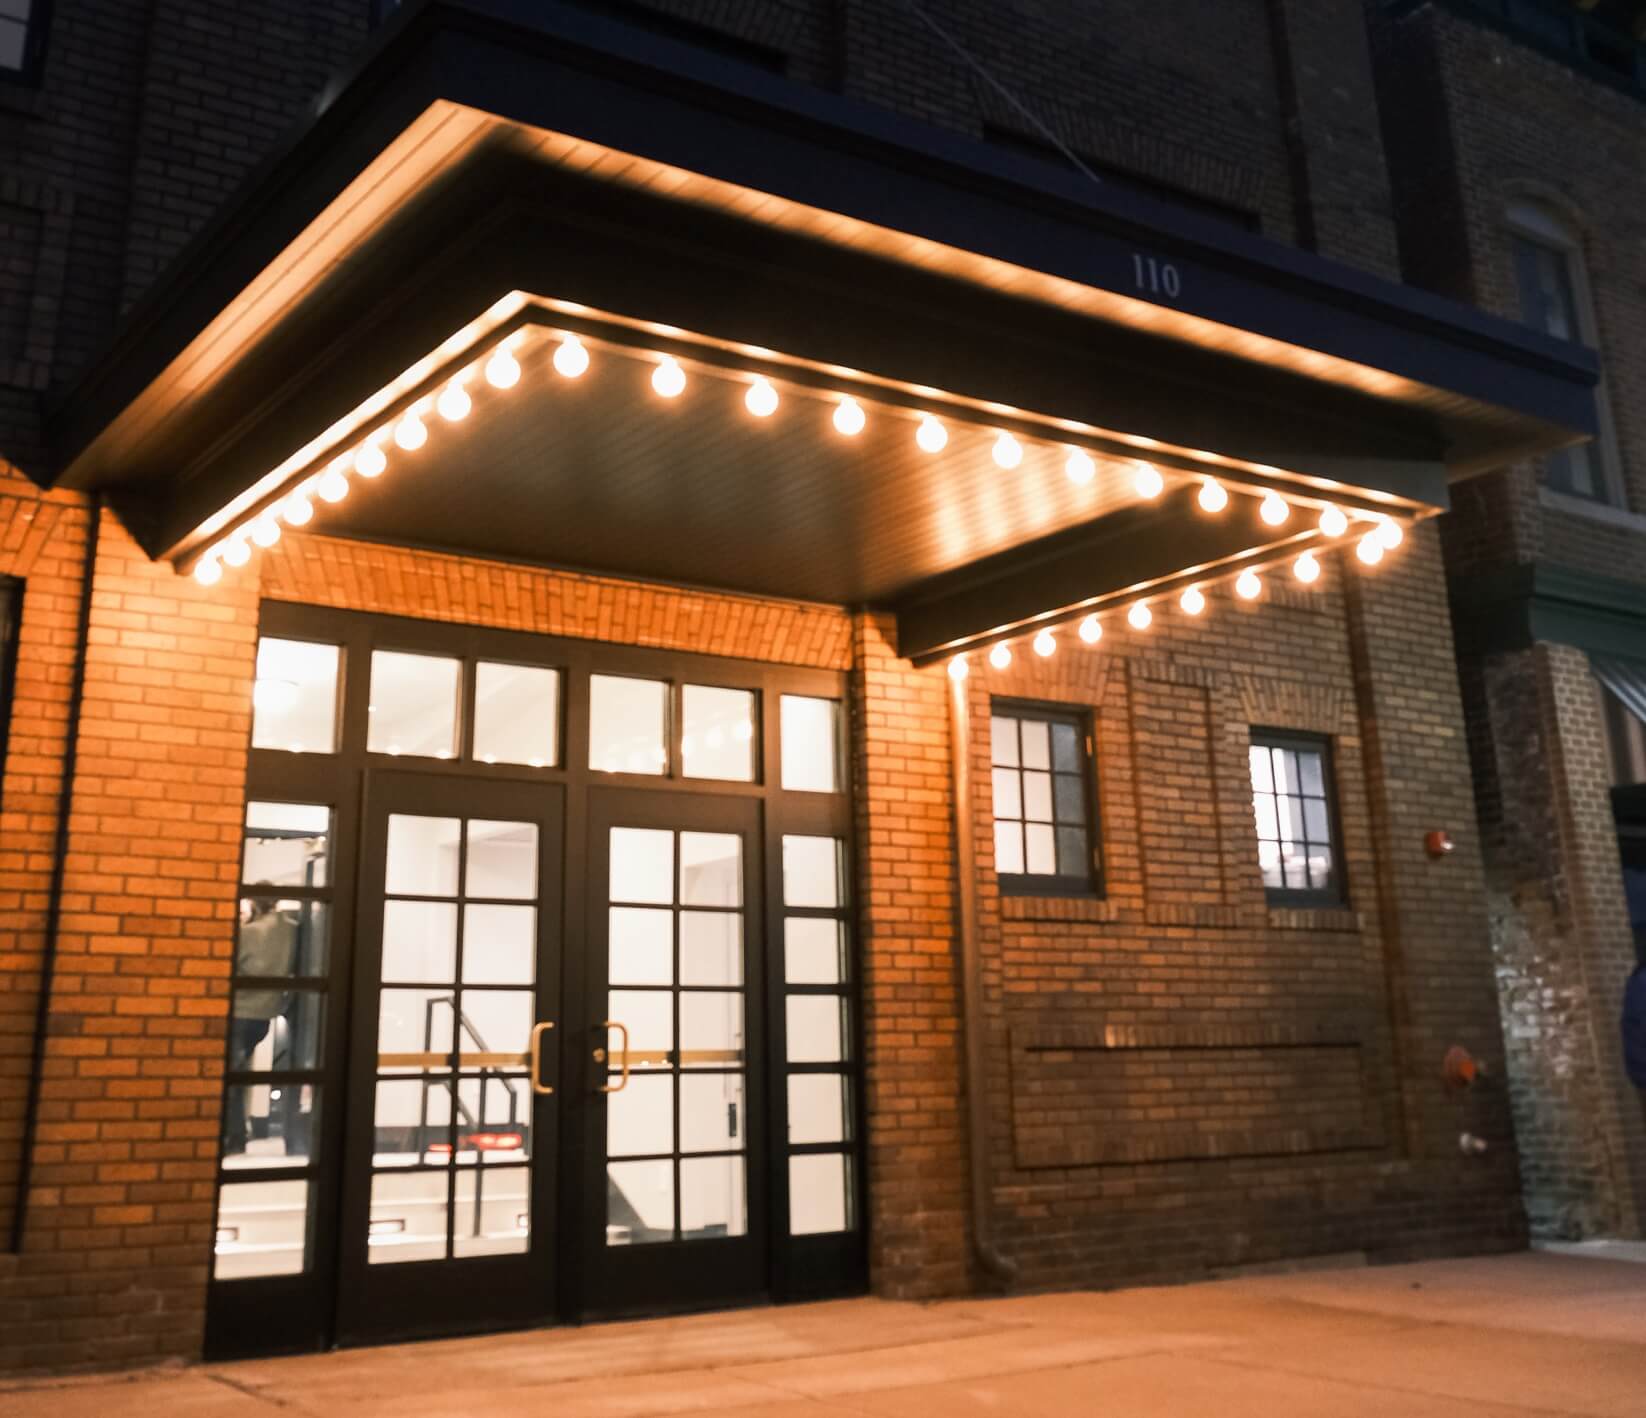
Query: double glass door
[[495, 1128]]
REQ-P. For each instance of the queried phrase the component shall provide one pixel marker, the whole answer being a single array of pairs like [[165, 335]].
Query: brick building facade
[[1156, 1065], [1520, 138]]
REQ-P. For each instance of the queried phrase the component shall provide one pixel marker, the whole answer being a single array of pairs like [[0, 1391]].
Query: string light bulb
[[411, 433], [265, 531], [370, 461], [1250, 585], [1045, 644], [958, 668], [1214, 497], [571, 357], [849, 418], [1091, 630], [761, 399], [1274, 509], [333, 486], [1333, 523], [1140, 617], [1390, 533], [207, 571], [1370, 549], [931, 436], [1079, 468], [1306, 568], [237, 551], [668, 379], [1149, 483], [1008, 452], [454, 403], [1193, 601], [1001, 656], [502, 370], [297, 509]]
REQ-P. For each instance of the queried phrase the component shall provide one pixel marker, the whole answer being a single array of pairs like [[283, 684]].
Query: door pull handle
[[600, 1057], [535, 1059]]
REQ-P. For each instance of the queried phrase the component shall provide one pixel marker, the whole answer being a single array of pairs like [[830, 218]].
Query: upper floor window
[[22, 36], [1296, 832], [1622, 686], [1553, 294], [1043, 838]]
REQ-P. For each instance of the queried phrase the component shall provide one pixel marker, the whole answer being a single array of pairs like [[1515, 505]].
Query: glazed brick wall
[[1347, 1137]]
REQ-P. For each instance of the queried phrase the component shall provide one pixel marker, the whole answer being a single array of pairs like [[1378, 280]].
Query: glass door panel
[[674, 900], [457, 976]]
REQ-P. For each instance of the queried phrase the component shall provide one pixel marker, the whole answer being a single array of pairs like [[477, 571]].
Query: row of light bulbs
[[502, 371], [1385, 536]]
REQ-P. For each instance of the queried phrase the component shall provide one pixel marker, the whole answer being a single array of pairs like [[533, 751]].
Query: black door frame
[[290, 1313]]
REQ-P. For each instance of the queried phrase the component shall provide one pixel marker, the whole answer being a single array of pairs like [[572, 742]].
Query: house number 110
[[1155, 276]]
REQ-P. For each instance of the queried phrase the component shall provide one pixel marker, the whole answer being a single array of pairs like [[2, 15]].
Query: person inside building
[[267, 947]]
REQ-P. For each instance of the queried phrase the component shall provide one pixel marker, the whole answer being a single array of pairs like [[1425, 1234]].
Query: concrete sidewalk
[[1526, 1334]]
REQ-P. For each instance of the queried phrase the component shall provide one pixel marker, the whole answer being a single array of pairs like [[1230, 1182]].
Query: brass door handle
[[600, 1057], [535, 1058]]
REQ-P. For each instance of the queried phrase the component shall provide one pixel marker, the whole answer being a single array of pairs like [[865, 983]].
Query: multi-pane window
[[22, 29], [1548, 280], [1043, 840], [1292, 801]]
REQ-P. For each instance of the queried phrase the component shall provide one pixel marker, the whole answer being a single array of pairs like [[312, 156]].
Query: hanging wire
[[995, 84]]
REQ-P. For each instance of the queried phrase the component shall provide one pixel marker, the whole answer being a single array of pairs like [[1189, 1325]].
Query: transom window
[[1296, 833], [1043, 838]]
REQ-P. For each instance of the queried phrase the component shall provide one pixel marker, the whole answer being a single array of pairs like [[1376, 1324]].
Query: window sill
[[1315, 918], [1607, 512], [1092, 909]]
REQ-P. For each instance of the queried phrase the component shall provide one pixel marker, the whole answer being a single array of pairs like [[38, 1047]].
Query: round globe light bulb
[[333, 486], [297, 510], [1001, 656], [1140, 617], [371, 461], [411, 433], [454, 403], [502, 370], [1193, 601], [1045, 643], [1091, 630], [1214, 497], [669, 379], [1008, 452], [265, 531], [1390, 533], [1250, 585], [1306, 568], [1333, 523], [207, 571], [1148, 482], [761, 399], [849, 417], [1370, 549], [1079, 468], [1274, 509], [571, 358], [958, 668], [237, 551], [931, 436]]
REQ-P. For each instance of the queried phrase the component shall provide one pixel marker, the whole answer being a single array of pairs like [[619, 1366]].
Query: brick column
[[916, 1143], [114, 1263]]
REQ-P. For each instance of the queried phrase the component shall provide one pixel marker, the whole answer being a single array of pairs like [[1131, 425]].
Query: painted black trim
[[1089, 885], [1296, 897], [1514, 608]]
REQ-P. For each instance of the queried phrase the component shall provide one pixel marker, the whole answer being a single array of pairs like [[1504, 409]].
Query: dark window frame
[[11, 615], [35, 29], [1300, 740], [1090, 885]]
